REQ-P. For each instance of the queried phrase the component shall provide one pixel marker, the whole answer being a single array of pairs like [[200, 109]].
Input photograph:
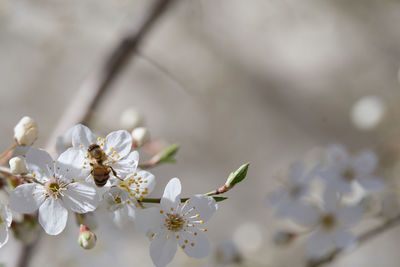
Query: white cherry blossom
[[54, 190], [287, 199], [116, 145], [122, 197], [5, 223], [330, 224], [343, 170], [175, 223]]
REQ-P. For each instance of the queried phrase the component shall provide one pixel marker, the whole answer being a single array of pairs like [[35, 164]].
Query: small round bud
[[17, 165], [140, 136], [130, 119], [87, 239], [282, 238], [25, 132]]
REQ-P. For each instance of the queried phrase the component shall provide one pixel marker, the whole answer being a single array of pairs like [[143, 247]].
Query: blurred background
[[260, 81]]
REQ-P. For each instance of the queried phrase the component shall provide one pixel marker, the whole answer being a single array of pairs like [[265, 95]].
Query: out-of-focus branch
[[368, 235], [93, 89], [94, 86]]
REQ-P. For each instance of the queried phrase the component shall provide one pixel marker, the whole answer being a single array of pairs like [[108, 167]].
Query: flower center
[[328, 221], [118, 200], [53, 187], [348, 175], [174, 222]]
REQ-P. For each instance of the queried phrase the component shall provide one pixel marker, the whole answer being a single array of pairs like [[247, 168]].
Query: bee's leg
[[115, 173]]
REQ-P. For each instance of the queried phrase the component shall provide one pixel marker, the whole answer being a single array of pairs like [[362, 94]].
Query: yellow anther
[[168, 237], [104, 140], [34, 174], [81, 146], [195, 233], [192, 244], [187, 202], [186, 241], [111, 148], [101, 144], [172, 209], [201, 221], [177, 236], [98, 139], [161, 211], [197, 215], [183, 246], [117, 156]]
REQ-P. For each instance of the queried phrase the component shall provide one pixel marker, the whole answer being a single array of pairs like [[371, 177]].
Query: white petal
[[52, 216], [205, 206], [81, 135], [70, 165], [336, 154], [172, 191], [119, 141], [149, 177], [81, 197], [26, 198], [120, 216], [296, 171], [162, 250], [350, 216], [339, 185], [197, 245], [149, 219], [64, 141], [5, 214], [305, 215], [3, 234], [331, 200], [319, 244], [127, 165], [343, 239], [366, 162], [371, 183], [39, 163]]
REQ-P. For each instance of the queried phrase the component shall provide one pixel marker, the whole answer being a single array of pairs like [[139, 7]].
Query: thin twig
[[94, 88], [363, 238]]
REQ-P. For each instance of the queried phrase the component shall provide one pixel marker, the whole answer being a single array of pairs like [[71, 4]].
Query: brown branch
[[93, 89], [366, 236]]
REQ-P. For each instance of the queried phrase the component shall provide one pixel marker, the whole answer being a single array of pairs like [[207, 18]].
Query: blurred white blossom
[[368, 112]]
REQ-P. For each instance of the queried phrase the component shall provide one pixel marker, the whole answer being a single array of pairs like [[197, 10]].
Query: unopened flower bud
[[237, 176], [140, 136], [87, 239], [17, 165], [25, 132], [130, 119], [282, 238]]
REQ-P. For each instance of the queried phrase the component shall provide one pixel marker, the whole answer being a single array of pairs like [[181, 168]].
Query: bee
[[98, 162]]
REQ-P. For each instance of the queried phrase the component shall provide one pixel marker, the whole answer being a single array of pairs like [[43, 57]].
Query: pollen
[[117, 156], [201, 221], [192, 244], [187, 202], [183, 246], [98, 139], [197, 215], [186, 241]]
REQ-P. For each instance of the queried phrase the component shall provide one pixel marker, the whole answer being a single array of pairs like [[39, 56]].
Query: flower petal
[[81, 197], [336, 154], [319, 244], [350, 215], [204, 206], [149, 219], [119, 141], [172, 191], [371, 183], [194, 244], [70, 165], [39, 163], [162, 250], [81, 135], [305, 215], [343, 239], [3, 234], [53, 216], [126, 165], [296, 171], [26, 198], [366, 162], [64, 141]]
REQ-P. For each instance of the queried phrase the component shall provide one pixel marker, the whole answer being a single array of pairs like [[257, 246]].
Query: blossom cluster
[[91, 171], [321, 199]]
